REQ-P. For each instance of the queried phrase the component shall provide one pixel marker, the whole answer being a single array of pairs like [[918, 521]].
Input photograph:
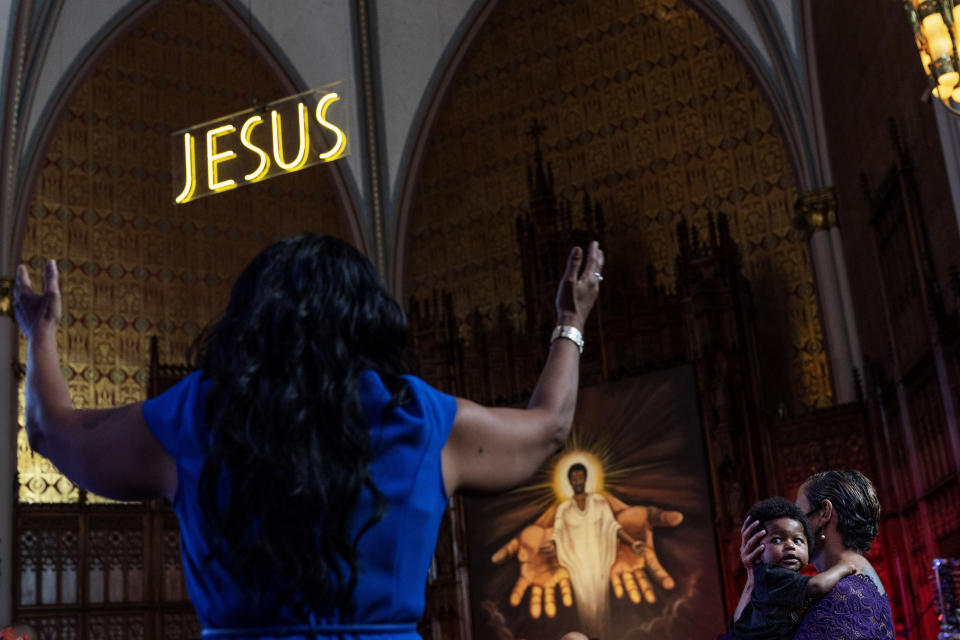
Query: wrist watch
[[570, 333]]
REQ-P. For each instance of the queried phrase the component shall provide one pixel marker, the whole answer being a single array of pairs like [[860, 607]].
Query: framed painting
[[614, 536]]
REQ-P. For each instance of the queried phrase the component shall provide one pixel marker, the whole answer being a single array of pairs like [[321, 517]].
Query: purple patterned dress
[[854, 608]]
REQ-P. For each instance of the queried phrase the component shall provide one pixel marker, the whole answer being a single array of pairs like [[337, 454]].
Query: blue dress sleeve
[[438, 409], [174, 412]]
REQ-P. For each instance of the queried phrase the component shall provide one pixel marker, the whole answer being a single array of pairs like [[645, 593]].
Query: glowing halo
[[561, 484]]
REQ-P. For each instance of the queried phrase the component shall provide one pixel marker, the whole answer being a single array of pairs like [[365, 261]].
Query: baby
[[776, 594]]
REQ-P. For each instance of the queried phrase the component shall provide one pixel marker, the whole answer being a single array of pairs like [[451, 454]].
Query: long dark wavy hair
[[289, 448]]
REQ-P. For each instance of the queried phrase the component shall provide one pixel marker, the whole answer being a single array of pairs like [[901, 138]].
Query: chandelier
[[936, 30]]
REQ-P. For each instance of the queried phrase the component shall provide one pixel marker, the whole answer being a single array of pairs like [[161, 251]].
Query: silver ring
[[599, 277]]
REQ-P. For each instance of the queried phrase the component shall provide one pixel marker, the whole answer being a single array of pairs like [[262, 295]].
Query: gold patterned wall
[[132, 264], [648, 110]]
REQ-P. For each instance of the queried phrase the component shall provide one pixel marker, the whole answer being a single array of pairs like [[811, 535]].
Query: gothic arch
[[119, 24], [806, 157], [748, 169]]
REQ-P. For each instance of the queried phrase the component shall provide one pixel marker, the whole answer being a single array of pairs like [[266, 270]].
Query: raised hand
[[750, 546], [579, 287], [37, 313], [539, 571], [636, 564]]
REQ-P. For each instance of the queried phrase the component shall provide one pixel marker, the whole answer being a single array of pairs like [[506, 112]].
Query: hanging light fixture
[[936, 30]]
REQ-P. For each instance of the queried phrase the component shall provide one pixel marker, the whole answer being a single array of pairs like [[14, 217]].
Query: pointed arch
[[651, 111], [786, 92], [31, 155], [777, 82]]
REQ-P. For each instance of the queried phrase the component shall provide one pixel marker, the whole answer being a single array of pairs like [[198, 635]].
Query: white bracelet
[[570, 333]]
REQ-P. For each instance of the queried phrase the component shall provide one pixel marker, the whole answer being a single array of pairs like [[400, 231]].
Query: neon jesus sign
[[246, 147]]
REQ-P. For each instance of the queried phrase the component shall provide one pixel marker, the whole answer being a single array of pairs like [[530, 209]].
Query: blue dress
[[394, 554]]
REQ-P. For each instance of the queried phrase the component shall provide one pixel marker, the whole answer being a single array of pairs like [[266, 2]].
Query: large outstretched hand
[[634, 570], [539, 571], [630, 569]]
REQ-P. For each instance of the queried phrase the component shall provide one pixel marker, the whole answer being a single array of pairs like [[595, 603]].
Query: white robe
[[586, 547]]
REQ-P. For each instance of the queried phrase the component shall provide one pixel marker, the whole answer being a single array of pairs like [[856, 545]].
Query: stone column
[[816, 212], [8, 443]]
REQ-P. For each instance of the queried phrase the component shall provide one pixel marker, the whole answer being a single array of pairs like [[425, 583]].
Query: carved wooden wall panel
[[49, 561]]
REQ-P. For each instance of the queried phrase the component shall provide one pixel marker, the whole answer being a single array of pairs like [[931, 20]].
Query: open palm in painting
[[633, 570]]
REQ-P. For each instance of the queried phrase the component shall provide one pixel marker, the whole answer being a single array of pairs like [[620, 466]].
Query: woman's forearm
[[109, 451], [38, 315], [556, 391], [46, 391], [492, 449]]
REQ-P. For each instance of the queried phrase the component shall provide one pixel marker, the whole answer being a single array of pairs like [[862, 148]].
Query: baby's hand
[[851, 569]]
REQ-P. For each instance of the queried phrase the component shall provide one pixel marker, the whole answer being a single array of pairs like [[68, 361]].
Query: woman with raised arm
[[308, 473]]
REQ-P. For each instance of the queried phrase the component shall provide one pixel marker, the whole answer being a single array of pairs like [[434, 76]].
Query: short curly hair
[[778, 507], [855, 501], [577, 466]]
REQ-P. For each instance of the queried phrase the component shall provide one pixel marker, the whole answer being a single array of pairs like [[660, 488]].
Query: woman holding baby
[[844, 516]]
